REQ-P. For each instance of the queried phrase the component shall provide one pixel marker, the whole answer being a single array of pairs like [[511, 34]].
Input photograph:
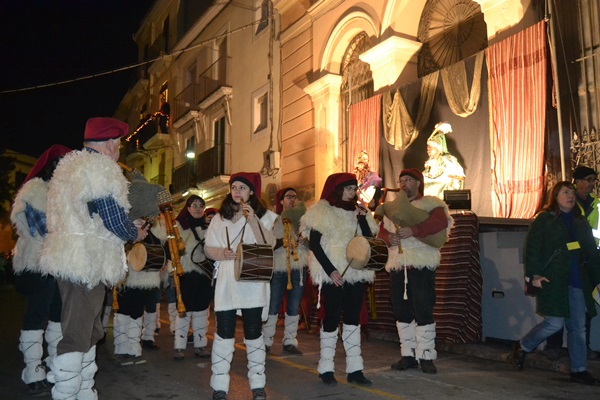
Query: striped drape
[[517, 102], [364, 131]]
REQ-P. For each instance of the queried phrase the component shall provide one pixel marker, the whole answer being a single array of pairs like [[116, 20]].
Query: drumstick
[[347, 266], [228, 242]]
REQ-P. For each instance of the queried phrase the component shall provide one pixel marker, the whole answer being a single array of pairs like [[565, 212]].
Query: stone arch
[[344, 31]]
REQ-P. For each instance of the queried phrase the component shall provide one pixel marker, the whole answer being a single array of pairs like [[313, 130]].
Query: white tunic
[[231, 294]]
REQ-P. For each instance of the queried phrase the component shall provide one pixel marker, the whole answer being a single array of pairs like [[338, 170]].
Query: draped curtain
[[364, 131], [517, 102], [399, 129]]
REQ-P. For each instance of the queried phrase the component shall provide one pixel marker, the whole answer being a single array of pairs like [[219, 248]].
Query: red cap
[[252, 179], [335, 180], [279, 197], [416, 174], [210, 211], [100, 129], [55, 151]]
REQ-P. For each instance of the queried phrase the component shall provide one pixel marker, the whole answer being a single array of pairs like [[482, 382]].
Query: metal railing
[[205, 166], [209, 81]]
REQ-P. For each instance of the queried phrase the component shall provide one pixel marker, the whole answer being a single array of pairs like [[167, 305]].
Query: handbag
[[531, 290]]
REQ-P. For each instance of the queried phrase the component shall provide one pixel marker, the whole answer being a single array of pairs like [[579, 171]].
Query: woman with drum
[[196, 283], [330, 225], [242, 218], [289, 260]]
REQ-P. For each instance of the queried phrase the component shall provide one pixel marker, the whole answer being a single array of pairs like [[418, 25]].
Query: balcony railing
[[207, 165], [209, 81]]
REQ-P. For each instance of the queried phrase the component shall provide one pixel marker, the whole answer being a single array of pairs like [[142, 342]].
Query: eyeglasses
[[406, 180], [291, 196]]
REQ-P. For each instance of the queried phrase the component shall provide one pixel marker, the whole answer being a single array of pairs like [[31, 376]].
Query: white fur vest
[[79, 248], [337, 227], [190, 244], [27, 250], [414, 252]]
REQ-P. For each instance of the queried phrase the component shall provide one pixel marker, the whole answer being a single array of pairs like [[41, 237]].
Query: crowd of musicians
[[96, 236]]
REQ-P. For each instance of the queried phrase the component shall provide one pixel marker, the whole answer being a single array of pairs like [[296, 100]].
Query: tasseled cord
[[320, 287], [405, 296]]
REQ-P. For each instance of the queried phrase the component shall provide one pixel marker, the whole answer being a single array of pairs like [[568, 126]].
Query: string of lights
[[136, 65]]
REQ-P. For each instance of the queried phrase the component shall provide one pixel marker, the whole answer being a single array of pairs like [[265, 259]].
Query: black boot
[[406, 362], [584, 377], [518, 356], [328, 378], [359, 378]]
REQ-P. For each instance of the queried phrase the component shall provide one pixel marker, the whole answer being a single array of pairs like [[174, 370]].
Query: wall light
[[190, 155]]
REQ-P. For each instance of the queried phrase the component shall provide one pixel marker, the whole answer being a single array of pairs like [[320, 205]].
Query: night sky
[[45, 42]]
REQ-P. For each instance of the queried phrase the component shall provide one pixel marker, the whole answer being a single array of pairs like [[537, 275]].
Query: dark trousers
[[251, 317], [421, 296], [346, 299], [81, 320], [133, 301], [43, 299]]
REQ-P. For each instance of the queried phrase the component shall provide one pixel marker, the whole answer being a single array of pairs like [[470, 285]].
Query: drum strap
[[241, 233]]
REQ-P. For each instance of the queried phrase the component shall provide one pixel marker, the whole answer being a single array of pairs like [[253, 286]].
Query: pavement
[[465, 371]]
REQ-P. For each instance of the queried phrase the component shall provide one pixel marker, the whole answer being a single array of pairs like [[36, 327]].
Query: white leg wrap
[[182, 324], [199, 327], [120, 327], [291, 330], [53, 335], [66, 376], [351, 340], [255, 351], [150, 321], [268, 330], [30, 344], [106, 317], [87, 391], [134, 334], [328, 343], [158, 315], [426, 342], [172, 308], [222, 354], [407, 335]]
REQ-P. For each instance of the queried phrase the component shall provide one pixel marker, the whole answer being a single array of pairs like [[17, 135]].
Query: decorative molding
[[502, 14], [389, 58], [221, 92], [324, 86], [284, 5]]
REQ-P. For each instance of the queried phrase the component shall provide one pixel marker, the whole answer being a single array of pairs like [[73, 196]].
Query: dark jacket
[[548, 234]]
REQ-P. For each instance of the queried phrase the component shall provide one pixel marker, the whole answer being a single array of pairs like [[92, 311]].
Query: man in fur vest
[[412, 274], [42, 316], [87, 227]]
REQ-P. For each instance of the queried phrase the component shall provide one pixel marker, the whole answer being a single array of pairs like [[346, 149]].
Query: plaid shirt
[[114, 218], [36, 220]]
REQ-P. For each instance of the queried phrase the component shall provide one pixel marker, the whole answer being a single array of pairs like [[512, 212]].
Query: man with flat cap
[[412, 265], [87, 227]]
